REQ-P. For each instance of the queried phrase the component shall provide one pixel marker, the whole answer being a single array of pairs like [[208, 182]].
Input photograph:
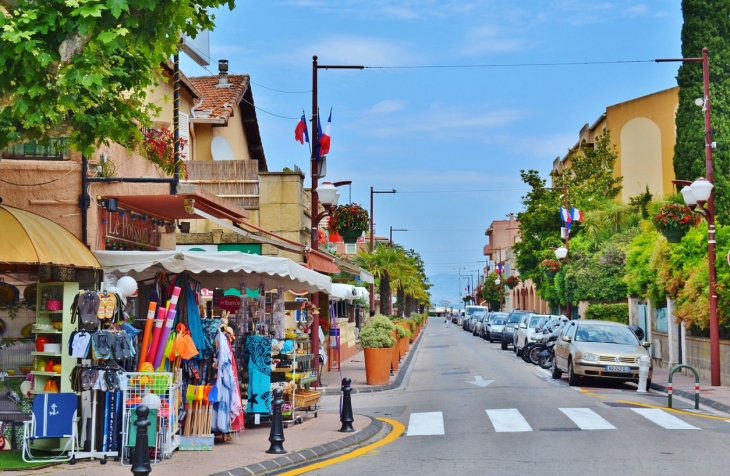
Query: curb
[[691, 396], [402, 369], [308, 454]]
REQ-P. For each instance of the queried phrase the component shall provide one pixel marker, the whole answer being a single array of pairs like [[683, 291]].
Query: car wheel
[[572, 377], [504, 345], [491, 340], [534, 354], [557, 373], [514, 348], [518, 351], [526, 354]]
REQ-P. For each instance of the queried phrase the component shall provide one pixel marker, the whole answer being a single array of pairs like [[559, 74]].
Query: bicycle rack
[[697, 384]]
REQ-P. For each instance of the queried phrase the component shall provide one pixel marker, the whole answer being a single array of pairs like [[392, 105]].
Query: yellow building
[[643, 133]]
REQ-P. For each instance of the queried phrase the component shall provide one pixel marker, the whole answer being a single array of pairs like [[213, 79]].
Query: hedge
[[609, 312]]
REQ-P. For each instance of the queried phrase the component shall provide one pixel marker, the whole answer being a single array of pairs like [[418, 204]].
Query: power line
[[267, 112], [510, 65], [280, 91], [467, 191]]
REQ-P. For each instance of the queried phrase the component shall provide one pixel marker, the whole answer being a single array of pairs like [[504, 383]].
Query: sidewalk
[[314, 439], [684, 386]]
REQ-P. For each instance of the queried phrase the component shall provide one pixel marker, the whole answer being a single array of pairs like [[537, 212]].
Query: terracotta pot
[[377, 365], [402, 343], [395, 357]]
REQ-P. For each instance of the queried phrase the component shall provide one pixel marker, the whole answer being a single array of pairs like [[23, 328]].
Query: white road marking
[[587, 419], [428, 423], [664, 419], [546, 372], [479, 382], [508, 420]]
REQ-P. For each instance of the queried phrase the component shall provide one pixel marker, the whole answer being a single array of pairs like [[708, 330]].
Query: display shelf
[[46, 354], [305, 357], [47, 374], [306, 380], [46, 331], [48, 313]]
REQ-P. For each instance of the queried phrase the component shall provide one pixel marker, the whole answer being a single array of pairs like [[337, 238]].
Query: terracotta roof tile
[[220, 101]]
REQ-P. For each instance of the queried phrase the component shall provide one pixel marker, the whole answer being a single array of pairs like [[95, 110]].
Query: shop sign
[[229, 303], [129, 230]]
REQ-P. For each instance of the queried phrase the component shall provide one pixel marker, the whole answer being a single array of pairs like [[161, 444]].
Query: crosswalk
[[511, 420]]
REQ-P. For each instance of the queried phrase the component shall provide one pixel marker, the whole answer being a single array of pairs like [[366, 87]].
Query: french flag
[[300, 133], [576, 215], [324, 138], [565, 215]]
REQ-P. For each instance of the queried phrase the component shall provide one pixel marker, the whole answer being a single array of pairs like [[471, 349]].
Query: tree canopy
[[706, 25], [82, 68]]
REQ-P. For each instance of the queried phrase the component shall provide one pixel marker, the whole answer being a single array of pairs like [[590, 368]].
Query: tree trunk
[[384, 294], [401, 301]]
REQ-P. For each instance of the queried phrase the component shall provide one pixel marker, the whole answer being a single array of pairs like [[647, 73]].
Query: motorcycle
[[546, 356]]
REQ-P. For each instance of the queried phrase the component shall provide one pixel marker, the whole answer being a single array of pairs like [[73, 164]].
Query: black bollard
[[346, 417], [276, 437], [141, 458]]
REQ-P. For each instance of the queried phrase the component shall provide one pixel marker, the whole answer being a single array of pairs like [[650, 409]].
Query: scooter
[[546, 356]]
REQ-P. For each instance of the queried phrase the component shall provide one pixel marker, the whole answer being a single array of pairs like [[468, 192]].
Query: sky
[[457, 97]]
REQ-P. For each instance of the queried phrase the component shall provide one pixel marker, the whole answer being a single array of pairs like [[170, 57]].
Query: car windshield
[[501, 315], [514, 318], [480, 317], [498, 322], [535, 321], [606, 334]]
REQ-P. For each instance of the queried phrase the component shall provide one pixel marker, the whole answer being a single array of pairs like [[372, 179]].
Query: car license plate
[[616, 368]]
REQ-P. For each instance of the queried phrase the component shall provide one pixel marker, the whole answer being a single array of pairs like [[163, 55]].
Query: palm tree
[[382, 263]]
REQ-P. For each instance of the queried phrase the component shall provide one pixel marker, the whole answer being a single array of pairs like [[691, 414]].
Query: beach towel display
[[258, 350]]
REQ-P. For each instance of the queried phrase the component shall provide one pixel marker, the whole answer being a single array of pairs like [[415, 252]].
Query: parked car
[[486, 328], [496, 327], [470, 310], [508, 333], [478, 319], [600, 349]]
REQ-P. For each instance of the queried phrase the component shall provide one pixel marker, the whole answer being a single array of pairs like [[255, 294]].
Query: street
[[514, 418]]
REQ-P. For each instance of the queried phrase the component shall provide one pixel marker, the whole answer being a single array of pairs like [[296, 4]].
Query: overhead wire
[[511, 65]]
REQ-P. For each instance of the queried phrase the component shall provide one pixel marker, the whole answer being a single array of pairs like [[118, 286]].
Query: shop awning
[[30, 239], [348, 292], [321, 262], [219, 269]]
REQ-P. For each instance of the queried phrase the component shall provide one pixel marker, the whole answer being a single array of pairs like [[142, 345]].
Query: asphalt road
[[524, 422]]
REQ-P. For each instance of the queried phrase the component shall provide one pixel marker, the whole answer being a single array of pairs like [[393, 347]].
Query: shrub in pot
[[376, 338]]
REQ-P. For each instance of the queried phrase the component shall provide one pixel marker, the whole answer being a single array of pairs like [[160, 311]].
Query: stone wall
[[697, 354]]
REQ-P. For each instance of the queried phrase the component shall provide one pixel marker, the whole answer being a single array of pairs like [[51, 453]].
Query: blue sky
[[451, 141]]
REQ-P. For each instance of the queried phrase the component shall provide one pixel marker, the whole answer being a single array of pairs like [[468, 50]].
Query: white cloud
[[344, 49], [386, 107], [637, 10], [489, 39]]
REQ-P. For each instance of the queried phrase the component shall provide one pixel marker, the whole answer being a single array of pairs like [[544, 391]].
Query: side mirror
[[565, 339], [646, 345], [523, 326]]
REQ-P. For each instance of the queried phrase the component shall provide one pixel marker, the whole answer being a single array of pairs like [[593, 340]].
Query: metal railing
[[56, 148]]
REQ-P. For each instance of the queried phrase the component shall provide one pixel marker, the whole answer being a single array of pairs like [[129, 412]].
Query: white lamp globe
[[561, 252], [497, 281], [327, 194], [701, 189], [689, 196], [127, 286]]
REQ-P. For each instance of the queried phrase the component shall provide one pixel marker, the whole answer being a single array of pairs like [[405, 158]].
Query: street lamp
[[372, 247], [702, 194], [391, 233], [501, 290], [315, 171]]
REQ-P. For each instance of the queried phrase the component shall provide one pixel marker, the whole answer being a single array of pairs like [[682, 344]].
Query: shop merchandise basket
[[149, 388], [304, 398], [282, 369]]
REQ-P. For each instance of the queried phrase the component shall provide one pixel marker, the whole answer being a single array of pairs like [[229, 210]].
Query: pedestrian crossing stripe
[[508, 420], [664, 419], [587, 419], [424, 424]]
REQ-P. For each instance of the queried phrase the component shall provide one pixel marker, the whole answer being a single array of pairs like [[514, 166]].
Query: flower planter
[[551, 274], [377, 365], [350, 236], [674, 236], [395, 357], [402, 342]]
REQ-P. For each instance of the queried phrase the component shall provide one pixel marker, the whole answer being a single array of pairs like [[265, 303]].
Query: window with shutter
[[185, 134]]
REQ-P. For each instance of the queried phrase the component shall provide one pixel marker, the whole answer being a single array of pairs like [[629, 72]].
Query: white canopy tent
[[219, 269], [348, 292]]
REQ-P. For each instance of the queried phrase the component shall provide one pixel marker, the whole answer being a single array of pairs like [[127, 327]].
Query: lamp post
[[315, 198], [701, 193], [372, 242], [391, 233], [498, 282], [564, 255], [460, 301]]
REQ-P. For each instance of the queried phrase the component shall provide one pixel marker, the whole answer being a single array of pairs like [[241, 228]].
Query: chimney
[[223, 72]]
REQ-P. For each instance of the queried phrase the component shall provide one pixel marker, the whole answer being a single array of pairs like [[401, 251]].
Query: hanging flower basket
[[674, 236], [673, 220], [512, 282], [349, 221]]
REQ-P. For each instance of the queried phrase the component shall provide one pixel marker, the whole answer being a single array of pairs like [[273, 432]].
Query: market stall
[[241, 337]]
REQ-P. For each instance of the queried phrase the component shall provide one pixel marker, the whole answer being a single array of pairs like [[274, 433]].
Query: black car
[[510, 327]]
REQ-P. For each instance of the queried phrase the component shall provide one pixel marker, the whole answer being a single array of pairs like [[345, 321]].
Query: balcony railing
[[57, 148], [234, 180]]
